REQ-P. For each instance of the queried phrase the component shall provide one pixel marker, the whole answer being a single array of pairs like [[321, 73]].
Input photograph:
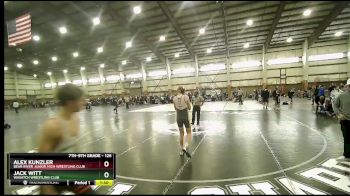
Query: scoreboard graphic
[[61, 169]]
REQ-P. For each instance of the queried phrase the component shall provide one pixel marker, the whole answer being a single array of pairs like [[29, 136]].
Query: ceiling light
[[162, 38], [77, 82], [96, 21], [6, 68], [201, 31], [307, 12], [134, 76], [321, 57], [124, 62], [63, 30], [289, 39], [65, 71], [148, 59], [36, 37], [183, 70], [212, 67], [209, 50], [102, 65], [61, 83], [35, 62], [177, 55], [157, 73], [75, 54], [128, 44], [339, 33], [47, 85], [280, 61], [49, 73], [246, 64], [82, 68], [112, 78], [94, 80], [19, 65], [137, 9], [246, 45], [54, 58], [99, 49], [34, 75], [250, 22]]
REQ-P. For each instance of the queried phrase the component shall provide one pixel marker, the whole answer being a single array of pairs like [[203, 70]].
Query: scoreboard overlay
[[61, 169]]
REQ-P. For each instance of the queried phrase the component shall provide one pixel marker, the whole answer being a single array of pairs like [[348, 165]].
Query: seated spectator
[[320, 104], [328, 108], [6, 126]]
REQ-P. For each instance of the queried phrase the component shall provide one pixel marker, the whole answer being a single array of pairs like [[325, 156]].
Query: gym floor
[[237, 149]]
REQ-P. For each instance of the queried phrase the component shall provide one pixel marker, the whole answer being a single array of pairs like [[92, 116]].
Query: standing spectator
[[276, 96], [127, 100], [190, 96], [321, 91], [265, 97], [331, 88], [115, 102], [88, 104], [256, 95], [334, 94], [317, 97], [15, 105], [290, 95], [198, 102], [240, 95], [311, 95], [341, 107]]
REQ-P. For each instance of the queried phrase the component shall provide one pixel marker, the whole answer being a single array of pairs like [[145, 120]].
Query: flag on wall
[[19, 30]]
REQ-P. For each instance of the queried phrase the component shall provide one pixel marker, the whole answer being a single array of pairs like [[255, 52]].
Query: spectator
[[290, 95], [6, 125], [256, 95], [240, 95], [276, 96], [331, 88], [317, 97], [265, 97], [341, 107], [328, 108], [115, 106], [127, 101], [321, 91], [335, 93], [320, 104], [15, 105]]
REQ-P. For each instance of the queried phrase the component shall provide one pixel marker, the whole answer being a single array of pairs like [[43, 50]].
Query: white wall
[[27, 85], [328, 70]]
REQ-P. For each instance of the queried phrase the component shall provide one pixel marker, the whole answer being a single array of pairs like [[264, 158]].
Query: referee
[[198, 102]]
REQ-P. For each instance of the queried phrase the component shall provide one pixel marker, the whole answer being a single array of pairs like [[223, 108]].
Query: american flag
[[19, 30]]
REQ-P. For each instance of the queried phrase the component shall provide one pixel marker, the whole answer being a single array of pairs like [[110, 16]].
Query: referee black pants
[[196, 109], [345, 128]]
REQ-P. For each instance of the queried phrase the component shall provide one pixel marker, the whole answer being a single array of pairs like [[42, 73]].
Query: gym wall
[[325, 71]]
